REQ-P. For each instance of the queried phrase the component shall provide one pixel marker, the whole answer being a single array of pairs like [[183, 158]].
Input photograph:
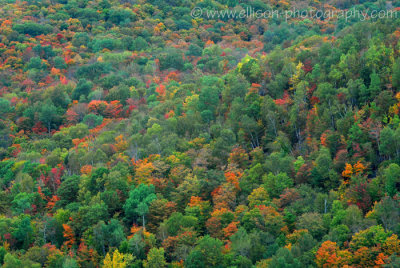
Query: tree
[[10, 261], [241, 242], [106, 236], [155, 258], [250, 68], [23, 232], [391, 178], [69, 236], [328, 255], [59, 63], [82, 88], [194, 50], [265, 218], [396, 74], [120, 15], [48, 115], [323, 169], [258, 196], [137, 205], [284, 258], [68, 190], [4, 107], [313, 222], [32, 28], [3, 253], [80, 39], [223, 144], [36, 63], [275, 184], [92, 120], [388, 141], [139, 44], [172, 58], [207, 252], [374, 86], [387, 212], [23, 202], [92, 213], [178, 222], [117, 260]]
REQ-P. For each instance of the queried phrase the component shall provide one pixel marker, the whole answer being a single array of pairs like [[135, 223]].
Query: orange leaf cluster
[[69, 235], [86, 169], [357, 169]]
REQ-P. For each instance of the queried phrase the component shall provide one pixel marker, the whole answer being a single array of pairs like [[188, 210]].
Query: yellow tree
[[117, 261]]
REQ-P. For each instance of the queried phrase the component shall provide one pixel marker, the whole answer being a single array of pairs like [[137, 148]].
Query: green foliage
[[119, 16], [275, 184], [206, 253], [36, 63], [80, 39], [137, 205], [93, 71], [107, 236], [68, 190], [396, 74], [32, 28], [391, 179], [155, 258], [177, 222], [92, 120], [172, 58], [4, 107], [250, 68], [82, 88], [48, 115]]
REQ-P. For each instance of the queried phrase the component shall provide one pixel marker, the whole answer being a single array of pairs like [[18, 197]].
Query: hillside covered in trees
[[133, 134]]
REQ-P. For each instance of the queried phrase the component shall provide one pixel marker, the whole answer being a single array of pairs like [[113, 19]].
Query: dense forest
[[133, 134]]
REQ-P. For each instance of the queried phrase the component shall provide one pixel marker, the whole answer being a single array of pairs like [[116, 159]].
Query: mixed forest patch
[[135, 135]]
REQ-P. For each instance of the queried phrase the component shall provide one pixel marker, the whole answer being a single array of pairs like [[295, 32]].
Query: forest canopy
[[138, 134]]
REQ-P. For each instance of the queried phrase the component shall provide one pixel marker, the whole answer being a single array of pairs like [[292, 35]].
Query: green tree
[[207, 252], [391, 178], [139, 44], [23, 232], [59, 63], [275, 184], [178, 222], [22, 202], [137, 205], [48, 115], [92, 120], [36, 63], [374, 86], [10, 261], [241, 242], [3, 253], [155, 259], [80, 39], [396, 74], [106, 236], [313, 222], [68, 190], [194, 50], [284, 259], [172, 58], [83, 87], [4, 107], [387, 212], [251, 69]]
